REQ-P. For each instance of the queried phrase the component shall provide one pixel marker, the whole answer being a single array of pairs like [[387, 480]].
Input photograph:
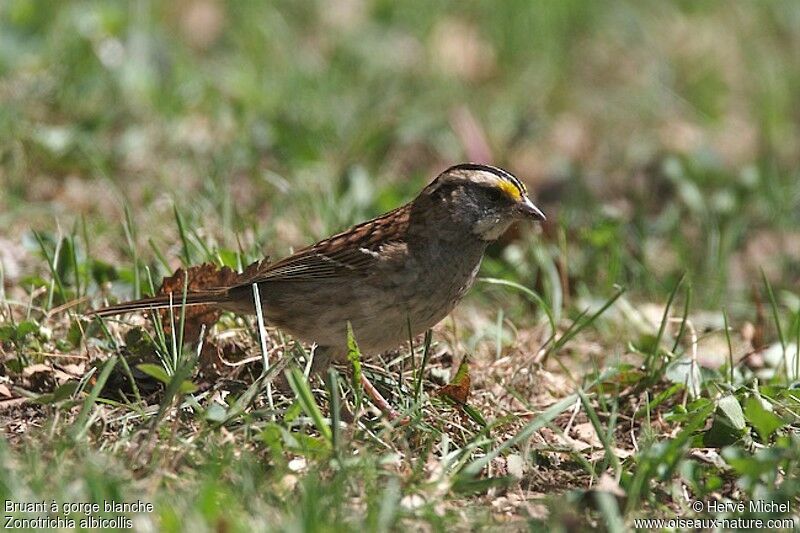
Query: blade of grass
[[163, 350], [173, 353], [159, 255], [247, 397], [796, 347], [662, 458], [607, 504], [388, 506], [776, 317], [173, 390], [126, 368], [354, 356], [332, 384], [475, 467], [421, 372], [130, 236], [579, 325], [527, 292], [410, 349], [663, 326], [81, 425], [52, 263], [262, 340], [73, 257], [187, 257], [730, 347], [182, 324], [304, 396], [207, 252], [602, 435], [87, 251], [686, 305], [552, 277]]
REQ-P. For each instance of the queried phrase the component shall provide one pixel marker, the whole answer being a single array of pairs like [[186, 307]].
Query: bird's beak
[[526, 208]]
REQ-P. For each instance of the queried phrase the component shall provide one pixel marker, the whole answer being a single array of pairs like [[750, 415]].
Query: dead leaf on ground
[[458, 389], [609, 484], [35, 369], [201, 277], [220, 358], [5, 392], [39, 378], [193, 279]]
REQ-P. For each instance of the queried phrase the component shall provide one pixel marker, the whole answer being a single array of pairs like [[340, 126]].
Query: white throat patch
[[491, 228]]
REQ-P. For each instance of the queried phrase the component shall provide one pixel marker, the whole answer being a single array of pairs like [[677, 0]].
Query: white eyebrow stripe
[[507, 176], [504, 174], [485, 174]]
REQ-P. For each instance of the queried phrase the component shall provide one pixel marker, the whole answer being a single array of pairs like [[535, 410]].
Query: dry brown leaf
[[35, 369], [39, 377], [458, 389], [586, 433], [75, 370], [200, 277], [608, 484], [577, 445], [622, 453]]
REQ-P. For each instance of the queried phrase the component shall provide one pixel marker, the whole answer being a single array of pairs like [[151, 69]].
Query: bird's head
[[481, 199]]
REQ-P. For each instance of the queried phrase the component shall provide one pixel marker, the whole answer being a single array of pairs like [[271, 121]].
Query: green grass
[[639, 350]]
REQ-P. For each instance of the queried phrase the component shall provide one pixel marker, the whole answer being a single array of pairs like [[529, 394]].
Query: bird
[[395, 275]]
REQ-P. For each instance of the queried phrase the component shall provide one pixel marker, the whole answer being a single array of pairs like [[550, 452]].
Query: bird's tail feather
[[211, 297]]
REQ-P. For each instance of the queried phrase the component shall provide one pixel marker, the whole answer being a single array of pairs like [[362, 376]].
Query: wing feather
[[351, 253]]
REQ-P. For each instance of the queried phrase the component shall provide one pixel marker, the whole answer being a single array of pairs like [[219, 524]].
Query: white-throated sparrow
[[409, 266]]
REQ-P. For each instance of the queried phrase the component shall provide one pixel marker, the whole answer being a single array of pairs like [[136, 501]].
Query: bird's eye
[[499, 196]]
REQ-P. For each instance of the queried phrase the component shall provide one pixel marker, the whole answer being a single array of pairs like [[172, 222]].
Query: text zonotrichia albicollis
[[409, 266]]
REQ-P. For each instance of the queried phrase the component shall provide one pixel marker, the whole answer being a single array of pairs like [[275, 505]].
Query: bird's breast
[[445, 273], [410, 286]]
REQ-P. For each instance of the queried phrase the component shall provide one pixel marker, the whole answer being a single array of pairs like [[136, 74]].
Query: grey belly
[[380, 307]]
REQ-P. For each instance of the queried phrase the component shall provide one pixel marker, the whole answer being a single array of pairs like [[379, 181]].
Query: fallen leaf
[[586, 433], [622, 453], [458, 389], [39, 377], [608, 484], [577, 445], [76, 370], [35, 369], [200, 277]]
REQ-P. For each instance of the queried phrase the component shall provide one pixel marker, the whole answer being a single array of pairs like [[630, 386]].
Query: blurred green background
[[660, 137]]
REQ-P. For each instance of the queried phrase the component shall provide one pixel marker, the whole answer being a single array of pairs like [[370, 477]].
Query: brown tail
[[211, 297]]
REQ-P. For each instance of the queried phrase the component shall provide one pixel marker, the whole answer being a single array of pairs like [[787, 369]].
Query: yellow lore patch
[[511, 190]]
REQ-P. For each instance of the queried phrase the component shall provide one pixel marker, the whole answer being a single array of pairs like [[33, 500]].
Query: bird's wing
[[351, 253]]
